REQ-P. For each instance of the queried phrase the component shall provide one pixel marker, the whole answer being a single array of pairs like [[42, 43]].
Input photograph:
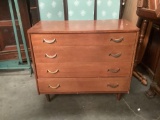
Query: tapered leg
[[140, 77], [48, 97], [119, 95]]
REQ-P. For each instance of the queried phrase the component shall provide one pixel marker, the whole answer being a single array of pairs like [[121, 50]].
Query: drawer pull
[[112, 85], [55, 87], [56, 71], [51, 57], [114, 70], [115, 55], [49, 41], [117, 40]]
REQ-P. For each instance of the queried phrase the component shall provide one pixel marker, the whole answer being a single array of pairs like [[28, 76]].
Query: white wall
[[130, 11]]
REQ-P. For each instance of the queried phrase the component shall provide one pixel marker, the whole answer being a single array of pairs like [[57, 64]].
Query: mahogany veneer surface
[[83, 56]]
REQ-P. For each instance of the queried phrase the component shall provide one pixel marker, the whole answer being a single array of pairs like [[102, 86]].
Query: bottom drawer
[[83, 85]]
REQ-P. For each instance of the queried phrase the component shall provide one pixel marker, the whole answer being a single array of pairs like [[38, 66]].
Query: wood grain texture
[[106, 53], [80, 57], [84, 85], [86, 26], [83, 39], [81, 69]]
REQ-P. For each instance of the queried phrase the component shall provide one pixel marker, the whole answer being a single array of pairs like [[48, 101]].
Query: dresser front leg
[[119, 95], [48, 97]]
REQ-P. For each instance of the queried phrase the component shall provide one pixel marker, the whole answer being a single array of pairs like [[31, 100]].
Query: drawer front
[[83, 85], [83, 39], [95, 69], [83, 53]]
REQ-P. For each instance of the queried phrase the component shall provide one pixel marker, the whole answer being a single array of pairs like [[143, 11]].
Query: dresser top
[[87, 26]]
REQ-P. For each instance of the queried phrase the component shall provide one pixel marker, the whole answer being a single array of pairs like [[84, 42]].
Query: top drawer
[[83, 39]]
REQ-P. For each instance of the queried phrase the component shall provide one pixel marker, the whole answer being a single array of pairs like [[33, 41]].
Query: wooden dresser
[[73, 57]]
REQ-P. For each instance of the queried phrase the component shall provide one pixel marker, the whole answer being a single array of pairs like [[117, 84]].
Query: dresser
[[74, 57]]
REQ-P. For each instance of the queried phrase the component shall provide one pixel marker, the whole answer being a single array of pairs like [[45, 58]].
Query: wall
[[130, 11]]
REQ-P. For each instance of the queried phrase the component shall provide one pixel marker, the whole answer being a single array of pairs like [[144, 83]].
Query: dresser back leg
[[48, 97], [119, 95]]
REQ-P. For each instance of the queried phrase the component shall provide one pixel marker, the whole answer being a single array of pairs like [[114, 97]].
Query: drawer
[[94, 69], [83, 53], [83, 85], [83, 39]]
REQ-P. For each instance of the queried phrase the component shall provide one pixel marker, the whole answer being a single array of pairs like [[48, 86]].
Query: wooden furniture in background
[[34, 11], [147, 10], [8, 50], [151, 60], [69, 58], [150, 11]]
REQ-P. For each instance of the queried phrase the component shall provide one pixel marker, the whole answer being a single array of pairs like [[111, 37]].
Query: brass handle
[[56, 71], [54, 87], [115, 55], [114, 70], [112, 85], [117, 40], [51, 57], [49, 41]]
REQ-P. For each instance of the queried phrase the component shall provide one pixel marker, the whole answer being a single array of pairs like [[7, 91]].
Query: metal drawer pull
[[113, 85], [115, 55], [57, 86], [53, 72], [49, 41], [49, 56], [114, 70], [117, 40]]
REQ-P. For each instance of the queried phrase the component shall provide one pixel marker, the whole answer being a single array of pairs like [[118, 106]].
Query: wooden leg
[[140, 46], [145, 29], [153, 90], [150, 93], [140, 77], [48, 97], [119, 95]]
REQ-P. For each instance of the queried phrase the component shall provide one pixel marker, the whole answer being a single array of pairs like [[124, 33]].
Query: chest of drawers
[[72, 57]]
